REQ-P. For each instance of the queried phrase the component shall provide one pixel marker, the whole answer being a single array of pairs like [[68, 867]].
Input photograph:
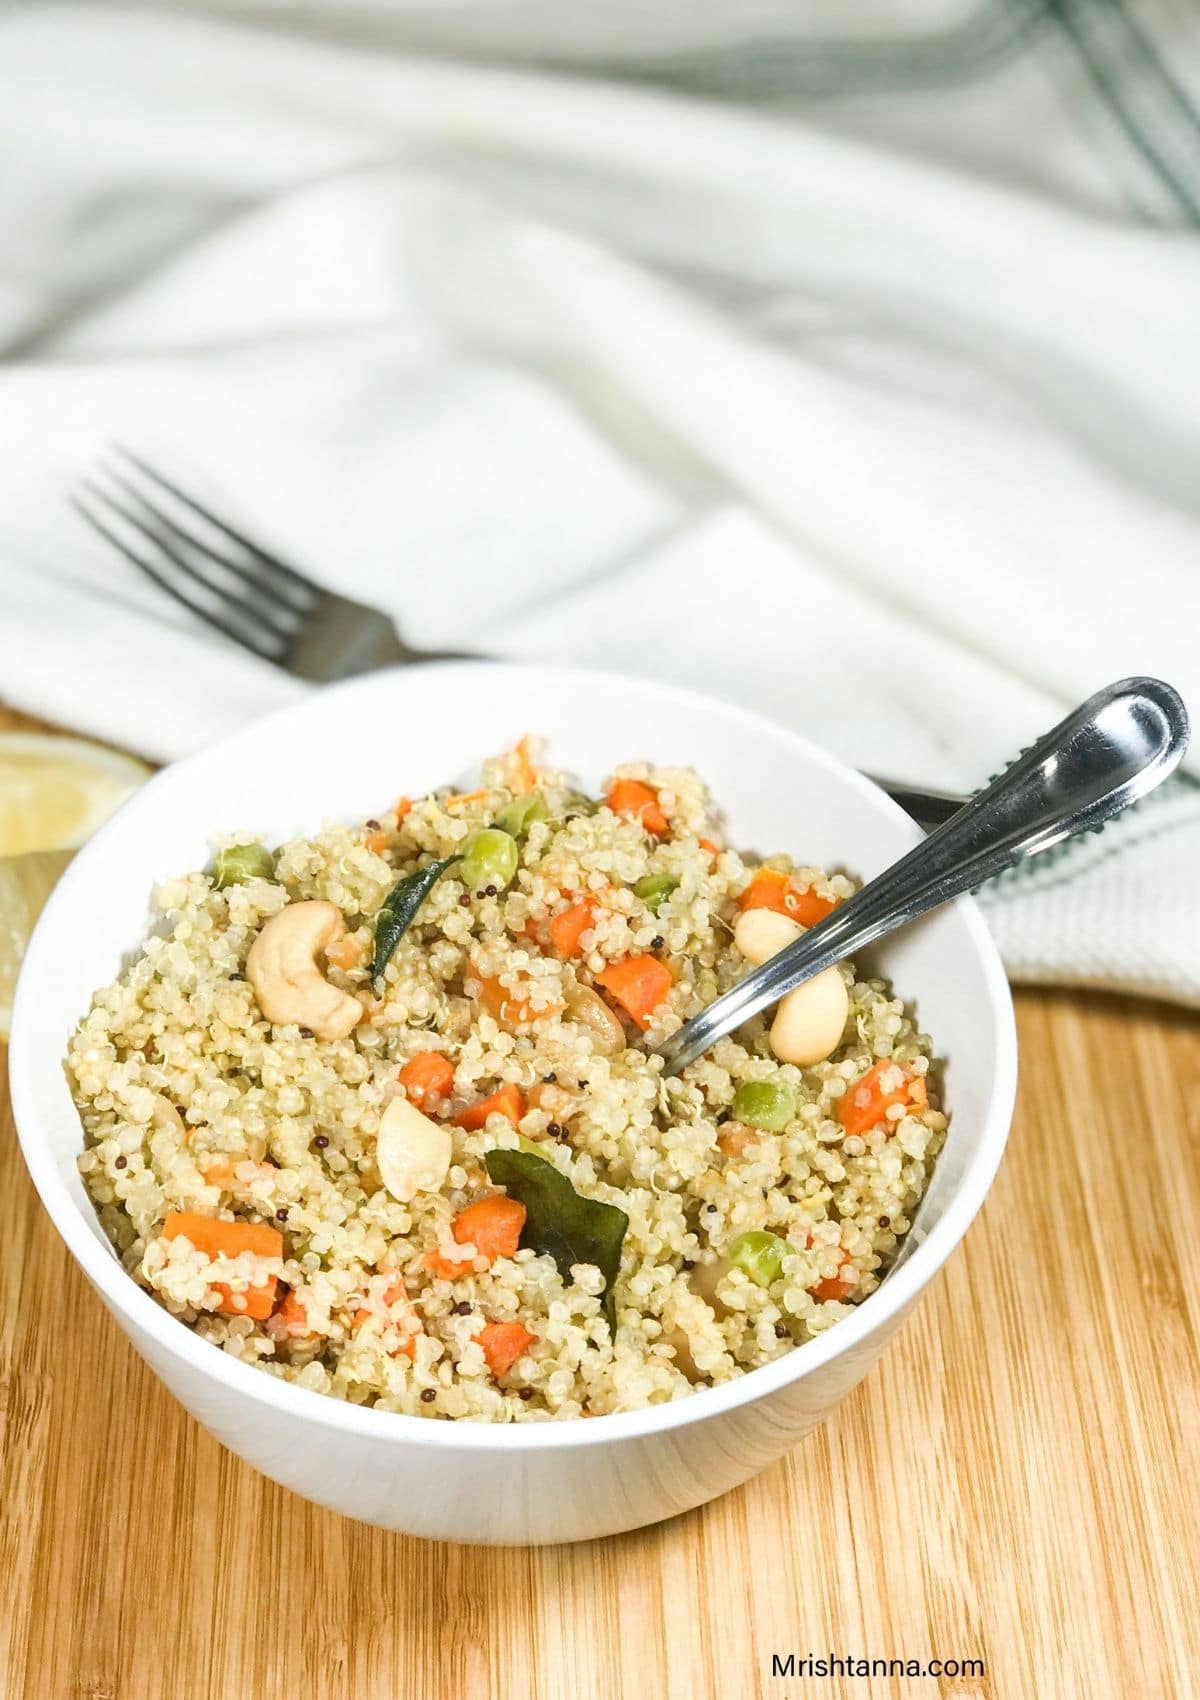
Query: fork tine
[[267, 613], [271, 562], [266, 606], [253, 640]]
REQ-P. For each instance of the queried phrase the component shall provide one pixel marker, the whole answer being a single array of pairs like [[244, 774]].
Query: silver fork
[[233, 583], [260, 602]]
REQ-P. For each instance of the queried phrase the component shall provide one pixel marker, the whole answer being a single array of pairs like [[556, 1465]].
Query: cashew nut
[[810, 1021], [698, 1309], [282, 968], [703, 1282], [589, 1009], [164, 1115], [411, 1151], [674, 1336], [763, 933]]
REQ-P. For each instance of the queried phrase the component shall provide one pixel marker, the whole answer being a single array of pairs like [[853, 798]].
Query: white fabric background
[[895, 442]]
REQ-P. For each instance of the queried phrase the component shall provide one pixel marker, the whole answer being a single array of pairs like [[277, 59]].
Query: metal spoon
[[1111, 751]]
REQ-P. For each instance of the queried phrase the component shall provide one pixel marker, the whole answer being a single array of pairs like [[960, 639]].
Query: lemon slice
[[25, 884], [55, 792]]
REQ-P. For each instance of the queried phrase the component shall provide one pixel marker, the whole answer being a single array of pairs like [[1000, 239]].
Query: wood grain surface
[[1016, 1481]]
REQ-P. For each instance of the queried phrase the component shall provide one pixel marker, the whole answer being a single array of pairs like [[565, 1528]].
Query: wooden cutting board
[[1016, 1482]]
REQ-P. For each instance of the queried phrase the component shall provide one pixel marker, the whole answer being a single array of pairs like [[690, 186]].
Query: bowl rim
[[146, 1317]]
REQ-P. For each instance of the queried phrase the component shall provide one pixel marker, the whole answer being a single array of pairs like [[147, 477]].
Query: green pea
[[766, 1104], [241, 862], [760, 1254], [517, 817], [489, 858], [653, 888]]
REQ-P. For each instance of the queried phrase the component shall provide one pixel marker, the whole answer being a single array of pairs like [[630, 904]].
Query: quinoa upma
[[377, 1111]]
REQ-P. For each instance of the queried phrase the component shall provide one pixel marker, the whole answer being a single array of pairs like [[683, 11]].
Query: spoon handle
[[1111, 751]]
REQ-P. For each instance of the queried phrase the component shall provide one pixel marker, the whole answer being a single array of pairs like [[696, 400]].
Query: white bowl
[[341, 753]]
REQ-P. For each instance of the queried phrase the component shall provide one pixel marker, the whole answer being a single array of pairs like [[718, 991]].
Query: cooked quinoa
[[238, 1166]]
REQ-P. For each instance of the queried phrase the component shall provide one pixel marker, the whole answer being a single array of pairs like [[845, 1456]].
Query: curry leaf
[[559, 1221], [399, 907]]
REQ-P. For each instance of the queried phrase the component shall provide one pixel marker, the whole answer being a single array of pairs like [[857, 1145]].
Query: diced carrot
[[292, 1311], [808, 907], [377, 1306], [505, 1004], [382, 1292], [537, 932], [346, 953], [492, 1225], [631, 797], [503, 1343], [867, 1102], [770, 889], [449, 1269], [734, 1139], [215, 1237], [505, 1101], [294, 1317], [526, 774], [461, 798], [230, 1239], [835, 1286], [427, 1078], [638, 983], [403, 808], [377, 842], [569, 926], [509, 1007], [714, 850], [548, 1095], [220, 1171]]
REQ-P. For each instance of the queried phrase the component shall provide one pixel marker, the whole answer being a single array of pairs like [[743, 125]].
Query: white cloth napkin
[[550, 366]]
